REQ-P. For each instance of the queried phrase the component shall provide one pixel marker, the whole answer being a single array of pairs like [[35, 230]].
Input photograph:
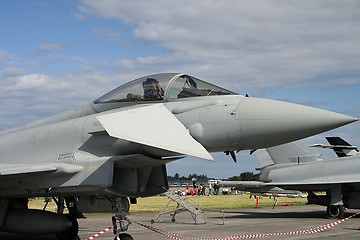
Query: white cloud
[[31, 81], [26, 98], [5, 56], [108, 32], [46, 48], [258, 42], [10, 71]]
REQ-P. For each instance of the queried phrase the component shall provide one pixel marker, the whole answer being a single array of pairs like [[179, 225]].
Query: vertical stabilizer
[[341, 147], [263, 158], [291, 153], [286, 153]]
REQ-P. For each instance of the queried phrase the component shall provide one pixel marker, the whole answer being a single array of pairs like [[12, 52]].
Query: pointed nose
[[265, 122]]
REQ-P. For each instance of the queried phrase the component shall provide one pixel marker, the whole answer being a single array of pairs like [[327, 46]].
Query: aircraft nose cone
[[265, 122]]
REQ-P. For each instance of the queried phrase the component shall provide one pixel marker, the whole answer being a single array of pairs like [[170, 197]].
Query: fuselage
[[319, 175]]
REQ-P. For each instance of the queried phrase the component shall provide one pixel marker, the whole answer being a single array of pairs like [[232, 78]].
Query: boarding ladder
[[183, 204]]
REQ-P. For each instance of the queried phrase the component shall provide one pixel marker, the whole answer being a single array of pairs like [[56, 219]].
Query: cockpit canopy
[[160, 87]]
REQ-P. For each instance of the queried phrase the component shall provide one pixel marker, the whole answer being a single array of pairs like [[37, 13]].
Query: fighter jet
[[97, 157], [288, 167]]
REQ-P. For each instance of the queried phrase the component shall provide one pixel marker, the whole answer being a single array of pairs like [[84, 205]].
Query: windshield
[[149, 88], [187, 86], [158, 87]]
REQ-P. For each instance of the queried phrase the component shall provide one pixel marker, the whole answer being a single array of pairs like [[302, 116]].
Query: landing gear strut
[[119, 220], [336, 209]]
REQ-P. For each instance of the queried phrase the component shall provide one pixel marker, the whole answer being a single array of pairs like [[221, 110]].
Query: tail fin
[[340, 147], [263, 158], [291, 153]]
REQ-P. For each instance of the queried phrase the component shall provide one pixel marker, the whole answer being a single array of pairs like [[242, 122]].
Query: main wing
[[257, 187]]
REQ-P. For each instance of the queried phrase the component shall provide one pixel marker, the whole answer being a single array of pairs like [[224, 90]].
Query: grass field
[[222, 202]]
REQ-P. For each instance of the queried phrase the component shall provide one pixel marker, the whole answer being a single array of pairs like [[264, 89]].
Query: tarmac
[[238, 222]]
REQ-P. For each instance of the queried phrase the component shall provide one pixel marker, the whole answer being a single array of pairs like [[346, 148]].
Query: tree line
[[244, 176], [189, 177]]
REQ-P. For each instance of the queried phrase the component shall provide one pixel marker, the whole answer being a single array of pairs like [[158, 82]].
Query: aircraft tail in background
[[289, 153], [340, 147]]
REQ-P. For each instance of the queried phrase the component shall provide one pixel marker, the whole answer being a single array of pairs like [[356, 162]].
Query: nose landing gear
[[119, 220]]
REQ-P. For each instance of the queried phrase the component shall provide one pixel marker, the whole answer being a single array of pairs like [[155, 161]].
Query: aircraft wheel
[[72, 234], [124, 236], [335, 211]]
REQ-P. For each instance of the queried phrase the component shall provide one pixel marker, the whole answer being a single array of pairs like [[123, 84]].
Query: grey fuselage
[[319, 175]]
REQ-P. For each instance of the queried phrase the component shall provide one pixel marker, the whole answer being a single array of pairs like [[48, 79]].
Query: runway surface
[[237, 222]]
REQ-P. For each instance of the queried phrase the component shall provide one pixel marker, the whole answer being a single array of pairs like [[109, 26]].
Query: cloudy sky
[[58, 55]]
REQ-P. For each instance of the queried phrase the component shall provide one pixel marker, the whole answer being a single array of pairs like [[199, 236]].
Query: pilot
[[152, 89]]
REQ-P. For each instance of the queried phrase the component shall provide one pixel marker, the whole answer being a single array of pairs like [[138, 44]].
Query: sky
[[58, 55]]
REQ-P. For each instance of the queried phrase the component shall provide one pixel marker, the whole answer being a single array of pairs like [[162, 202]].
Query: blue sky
[[58, 55]]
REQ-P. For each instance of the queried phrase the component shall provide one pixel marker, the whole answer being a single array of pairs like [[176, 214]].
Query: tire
[[124, 236], [72, 234], [335, 211]]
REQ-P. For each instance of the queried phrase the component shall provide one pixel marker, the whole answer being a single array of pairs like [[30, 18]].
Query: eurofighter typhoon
[[99, 156], [288, 168]]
